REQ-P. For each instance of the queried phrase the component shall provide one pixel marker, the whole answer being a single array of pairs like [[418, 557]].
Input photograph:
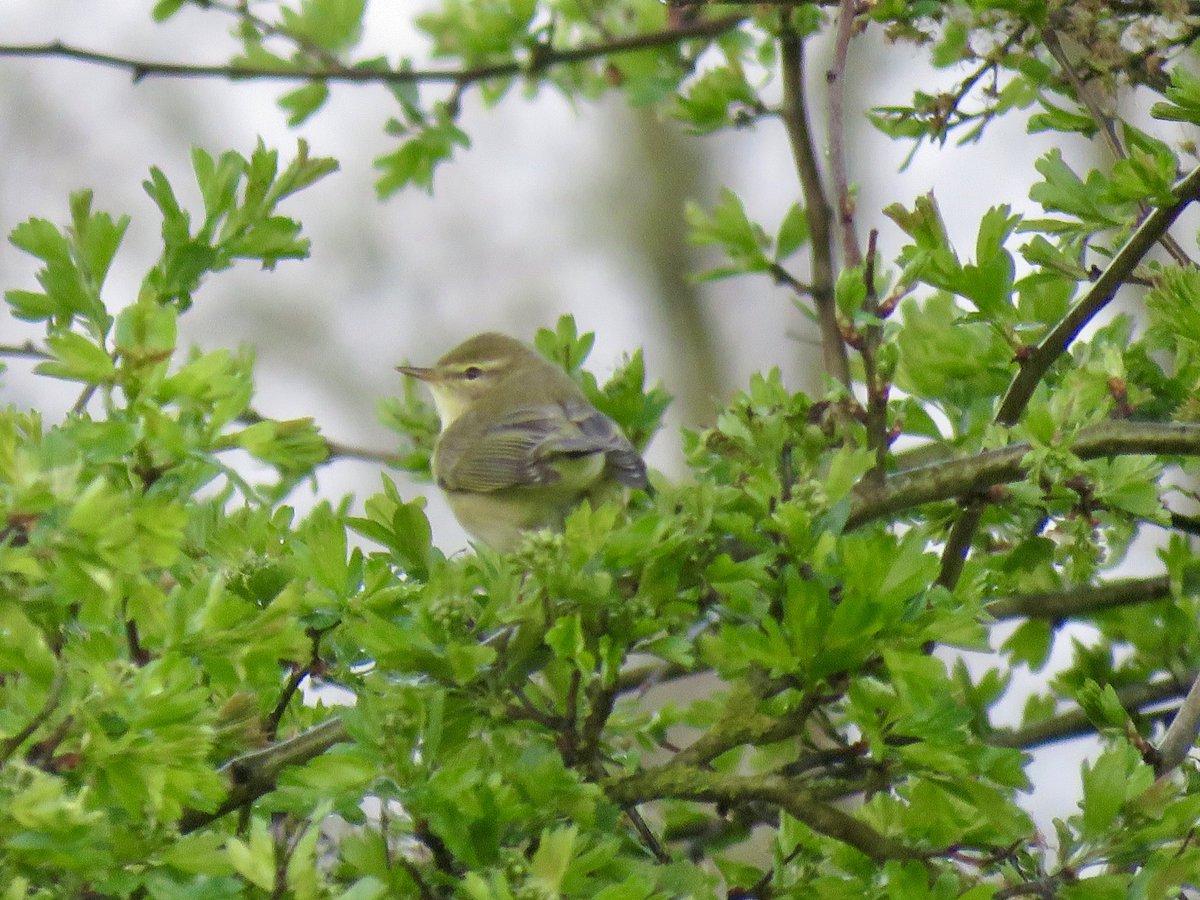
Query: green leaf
[[565, 346], [793, 232], [418, 157], [1030, 643], [553, 857], [728, 227], [1118, 775], [164, 9], [95, 237], [77, 359], [1183, 96], [712, 100], [334, 25]]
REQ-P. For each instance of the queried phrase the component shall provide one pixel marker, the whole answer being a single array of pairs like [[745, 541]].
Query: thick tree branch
[[1082, 600], [543, 58], [1181, 733], [688, 783], [1075, 723], [252, 775], [816, 205], [969, 476]]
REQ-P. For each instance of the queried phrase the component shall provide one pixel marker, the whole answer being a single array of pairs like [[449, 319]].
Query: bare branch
[[298, 674], [968, 476], [688, 783], [253, 774], [1182, 732], [1075, 723], [27, 349], [851, 254], [816, 206], [1082, 600], [145, 68], [338, 450]]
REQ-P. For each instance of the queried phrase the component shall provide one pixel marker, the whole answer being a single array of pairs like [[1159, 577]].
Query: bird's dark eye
[[472, 372]]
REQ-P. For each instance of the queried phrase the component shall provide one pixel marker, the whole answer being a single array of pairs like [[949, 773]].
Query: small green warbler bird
[[520, 444]]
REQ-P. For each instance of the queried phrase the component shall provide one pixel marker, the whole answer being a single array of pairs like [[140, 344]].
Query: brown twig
[[143, 68], [338, 450], [1107, 127], [816, 206], [299, 673], [836, 76], [651, 840], [688, 783], [28, 349]]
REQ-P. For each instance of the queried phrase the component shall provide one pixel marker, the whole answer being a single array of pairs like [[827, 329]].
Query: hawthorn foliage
[[986, 452]]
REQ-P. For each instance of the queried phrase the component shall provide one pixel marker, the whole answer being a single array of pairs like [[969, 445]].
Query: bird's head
[[472, 371]]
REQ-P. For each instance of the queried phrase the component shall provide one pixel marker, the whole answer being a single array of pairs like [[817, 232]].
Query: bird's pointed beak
[[418, 372]]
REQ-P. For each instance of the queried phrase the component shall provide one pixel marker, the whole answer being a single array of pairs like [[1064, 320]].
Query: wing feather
[[522, 448]]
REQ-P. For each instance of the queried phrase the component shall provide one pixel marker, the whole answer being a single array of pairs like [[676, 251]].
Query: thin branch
[[299, 673], [253, 774], [958, 544], [28, 349], [541, 59], [1101, 293], [836, 76], [816, 206], [651, 840], [1106, 125], [969, 476], [338, 450], [990, 61], [784, 278], [1082, 600], [1083, 94], [1182, 732], [12, 744]]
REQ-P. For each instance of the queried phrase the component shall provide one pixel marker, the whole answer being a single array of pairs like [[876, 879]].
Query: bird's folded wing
[[523, 447]]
